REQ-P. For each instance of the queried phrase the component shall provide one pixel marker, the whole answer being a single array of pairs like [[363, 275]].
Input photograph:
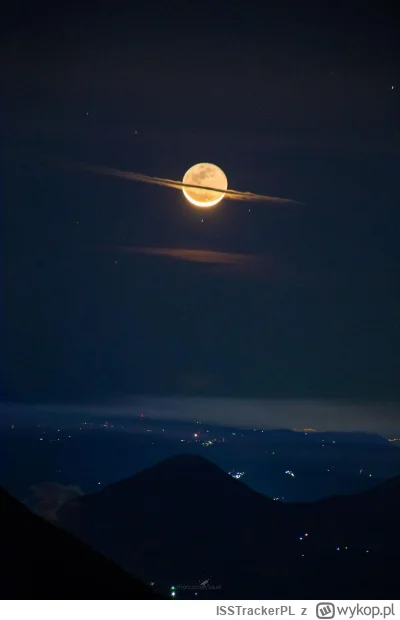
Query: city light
[[304, 430], [236, 474]]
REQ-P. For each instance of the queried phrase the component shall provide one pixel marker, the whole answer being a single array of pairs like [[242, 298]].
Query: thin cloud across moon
[[204, 175], [219, 190]]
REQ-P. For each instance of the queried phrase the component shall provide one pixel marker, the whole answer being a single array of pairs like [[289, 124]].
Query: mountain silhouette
[[181, 509], [39, 560], [185, 520]]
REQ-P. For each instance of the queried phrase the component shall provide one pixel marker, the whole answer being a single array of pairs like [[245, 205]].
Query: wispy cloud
[[196, 256], [144, 178], [221, 263], [48, 497]]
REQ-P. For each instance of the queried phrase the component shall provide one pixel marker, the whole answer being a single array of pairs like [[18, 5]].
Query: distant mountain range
[[185, 521], [91, 455], [41, 561]]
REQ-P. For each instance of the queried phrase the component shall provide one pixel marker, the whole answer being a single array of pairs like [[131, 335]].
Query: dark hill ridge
[[367, 520], [383, 498], [185, 520], [40, 560]]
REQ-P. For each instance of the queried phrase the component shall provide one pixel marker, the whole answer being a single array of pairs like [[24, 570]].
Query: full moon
[[205, 175]]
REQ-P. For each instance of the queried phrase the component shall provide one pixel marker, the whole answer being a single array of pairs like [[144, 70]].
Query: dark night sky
[[294, 103]]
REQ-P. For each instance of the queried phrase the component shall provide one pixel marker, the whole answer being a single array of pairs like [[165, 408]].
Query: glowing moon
[[205, 175]]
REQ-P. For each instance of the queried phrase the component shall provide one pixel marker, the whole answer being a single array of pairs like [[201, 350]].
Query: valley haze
[[321, 414]]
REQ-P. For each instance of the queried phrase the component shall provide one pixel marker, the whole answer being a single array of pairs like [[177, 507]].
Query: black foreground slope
[[185, 520], [39, 560]]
